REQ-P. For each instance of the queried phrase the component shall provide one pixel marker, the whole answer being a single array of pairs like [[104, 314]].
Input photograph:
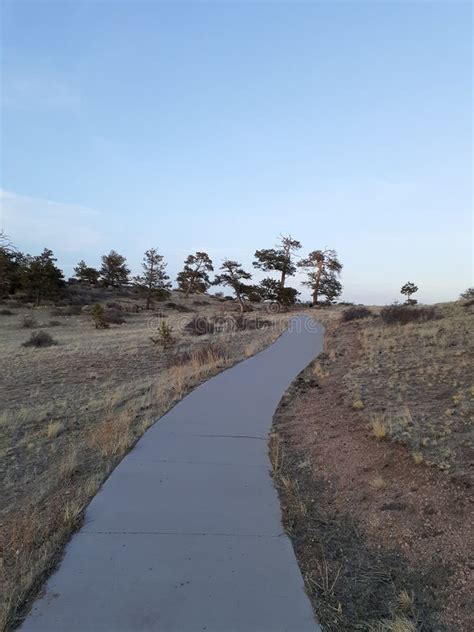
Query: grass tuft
[[405, 601], [55, 428], [399, 624], [378, 483], [379, 429]]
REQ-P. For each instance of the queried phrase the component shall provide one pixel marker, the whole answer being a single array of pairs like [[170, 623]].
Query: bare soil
[[384, 539]]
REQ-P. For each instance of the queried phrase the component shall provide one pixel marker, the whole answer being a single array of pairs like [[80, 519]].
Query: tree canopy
[[233, 275], [154, 281], [114, 271], [322, 269], [194, 276]]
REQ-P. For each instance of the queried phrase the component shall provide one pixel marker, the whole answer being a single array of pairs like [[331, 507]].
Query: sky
[[218, 126]]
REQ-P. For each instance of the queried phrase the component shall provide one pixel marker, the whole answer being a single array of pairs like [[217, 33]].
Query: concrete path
[[186, 534]]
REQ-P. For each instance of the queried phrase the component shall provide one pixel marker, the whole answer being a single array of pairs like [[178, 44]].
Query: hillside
[[70, 411], [374, 464]]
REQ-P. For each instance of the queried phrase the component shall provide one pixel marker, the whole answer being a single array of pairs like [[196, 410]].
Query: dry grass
[[405, 601], [398, 624], [324, 578], [379, 429], [419, 376], [276, 452], [71, 412], [378, 483], [54, 429]]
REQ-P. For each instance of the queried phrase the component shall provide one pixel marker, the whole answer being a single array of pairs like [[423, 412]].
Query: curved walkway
[[186, 534]]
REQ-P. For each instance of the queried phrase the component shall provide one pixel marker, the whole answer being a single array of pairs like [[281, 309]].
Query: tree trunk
[[241, 302], [189, 288], [317, 284], [148, 298], [282, 280]]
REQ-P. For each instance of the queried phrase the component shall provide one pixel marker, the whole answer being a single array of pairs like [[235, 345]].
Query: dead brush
[[25, 530], [69, 465], [200, 356], [54, 429], [398, 624], [324, 579], [379, 429], [276, 452], [405, 601], [111, 437], [72, 515]]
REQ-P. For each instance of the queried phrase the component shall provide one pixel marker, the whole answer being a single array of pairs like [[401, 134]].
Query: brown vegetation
[[376, 495], [70, 412]]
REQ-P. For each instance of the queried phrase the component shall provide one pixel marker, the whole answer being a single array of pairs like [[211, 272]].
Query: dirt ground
[[69, 413], [381, 520]]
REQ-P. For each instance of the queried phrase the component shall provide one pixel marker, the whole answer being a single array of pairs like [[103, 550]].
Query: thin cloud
[[69, 228]]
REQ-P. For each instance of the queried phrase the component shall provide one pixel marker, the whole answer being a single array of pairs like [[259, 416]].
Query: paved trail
[[186, 534]]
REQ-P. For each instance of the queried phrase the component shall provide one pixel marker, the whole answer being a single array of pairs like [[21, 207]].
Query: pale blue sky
[[218, 126]]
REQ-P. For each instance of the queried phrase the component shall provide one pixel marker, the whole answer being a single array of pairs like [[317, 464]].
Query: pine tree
[[233, 275], [271, 290], [11, 265], [114, 271], [154, 280], [41, 277], [408, 289], [322, 268], [279, 259], [194, 276], [86, 274]]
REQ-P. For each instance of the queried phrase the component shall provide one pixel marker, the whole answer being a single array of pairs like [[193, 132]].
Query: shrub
[[200, 325], [40, 339], [201, 303], [250, 323], [182, 308], [54, 323], [207, 353], [354, 313], [98, 316], [403, 314], [178, 307], [66, 310], [114, 317], [467, 295], [164, 336], [6, 312], [29, 322]]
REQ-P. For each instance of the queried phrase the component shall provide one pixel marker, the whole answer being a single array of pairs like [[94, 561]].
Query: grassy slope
[[373, 455]]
